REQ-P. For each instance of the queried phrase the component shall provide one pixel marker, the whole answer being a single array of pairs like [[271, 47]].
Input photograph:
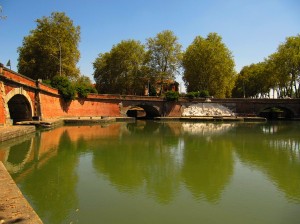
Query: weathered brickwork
[[55, 107], [45, 102]]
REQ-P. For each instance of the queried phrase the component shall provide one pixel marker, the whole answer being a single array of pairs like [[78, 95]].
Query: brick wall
[[55, 107]]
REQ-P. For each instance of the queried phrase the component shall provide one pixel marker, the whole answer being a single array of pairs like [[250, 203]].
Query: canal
[[163, 173]]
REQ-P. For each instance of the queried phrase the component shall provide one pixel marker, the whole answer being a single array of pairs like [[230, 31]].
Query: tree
[[254, 80], [209, 65], [49, 47], [64, 86], [84, 86], [122, 70], [286, 67], [165, 56]]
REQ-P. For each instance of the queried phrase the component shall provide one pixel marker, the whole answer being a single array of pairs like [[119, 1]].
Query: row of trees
[[206, 65], [279, 72], [130, 65]]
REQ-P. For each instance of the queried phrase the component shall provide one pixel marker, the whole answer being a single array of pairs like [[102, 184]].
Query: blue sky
[[251, 29]]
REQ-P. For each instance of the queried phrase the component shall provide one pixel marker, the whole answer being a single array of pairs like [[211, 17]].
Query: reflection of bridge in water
[[180, 149]]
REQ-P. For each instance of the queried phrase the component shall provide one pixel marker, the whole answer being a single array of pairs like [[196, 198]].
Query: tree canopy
[[165, 55], [253, 81], [280, 72], [209, 65], [130, 66], [285, 64], [54, 38], [121, 70]]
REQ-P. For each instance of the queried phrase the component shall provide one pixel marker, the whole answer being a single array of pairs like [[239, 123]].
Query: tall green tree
[[50, 48], [209, 65], [165, 55], [122, 70], [286, 66], [254, 80]]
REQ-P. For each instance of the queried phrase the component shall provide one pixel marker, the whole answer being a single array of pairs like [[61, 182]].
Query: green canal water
[[160, 173]]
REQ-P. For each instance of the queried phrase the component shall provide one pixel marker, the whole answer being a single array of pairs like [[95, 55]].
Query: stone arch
[[143, 111], [276, 112], [18, 105]]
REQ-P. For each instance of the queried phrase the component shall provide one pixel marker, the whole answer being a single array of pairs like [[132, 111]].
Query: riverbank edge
[[14, 206]]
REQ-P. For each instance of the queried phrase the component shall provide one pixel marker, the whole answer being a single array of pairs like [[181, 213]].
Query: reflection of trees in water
[[58, 189], [143, 127], [207, 167], [161, 163], [139, 159], [277, 155], [163, 157]]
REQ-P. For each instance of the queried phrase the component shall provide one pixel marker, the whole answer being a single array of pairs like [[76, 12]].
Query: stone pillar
[[37, 101]]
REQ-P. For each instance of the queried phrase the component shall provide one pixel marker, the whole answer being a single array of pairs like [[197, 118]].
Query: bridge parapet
[[15, 77]]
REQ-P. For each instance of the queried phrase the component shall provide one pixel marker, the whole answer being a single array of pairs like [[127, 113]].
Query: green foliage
[[164, 54], [128, 68], [285, 67], [64, 86], [202, 93], [47, 82], [192, 95], [122, 69], [280, 71], [209, 65], [152, 91], [171, 96], [55, 37], [253, 81], [83, 87]]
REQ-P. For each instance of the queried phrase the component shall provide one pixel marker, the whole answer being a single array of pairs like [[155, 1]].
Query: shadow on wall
[[65, 105]]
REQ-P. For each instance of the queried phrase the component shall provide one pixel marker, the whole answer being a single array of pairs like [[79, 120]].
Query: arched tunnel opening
[[143, 112], [277, 113], [19, 109]]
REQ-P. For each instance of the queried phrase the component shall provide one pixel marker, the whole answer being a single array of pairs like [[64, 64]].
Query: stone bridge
[[22, 98]]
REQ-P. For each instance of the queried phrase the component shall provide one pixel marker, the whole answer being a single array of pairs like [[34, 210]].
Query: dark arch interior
[[143, 112], [276, 113], [19, 108]]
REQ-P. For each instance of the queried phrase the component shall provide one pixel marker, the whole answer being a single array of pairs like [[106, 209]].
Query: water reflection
[[159, 159], [276, 155], [208, 167], [207, 128]]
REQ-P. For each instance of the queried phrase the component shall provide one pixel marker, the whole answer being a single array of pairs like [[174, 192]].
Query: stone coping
[[14, 208]]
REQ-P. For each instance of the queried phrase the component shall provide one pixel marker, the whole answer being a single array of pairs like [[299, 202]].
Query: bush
[[192, 95], [203, 93], [64, 86], [83, 86], [84, 90], [171, 96]]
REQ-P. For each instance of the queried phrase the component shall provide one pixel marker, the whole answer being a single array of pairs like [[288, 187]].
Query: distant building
[[162, 87]]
